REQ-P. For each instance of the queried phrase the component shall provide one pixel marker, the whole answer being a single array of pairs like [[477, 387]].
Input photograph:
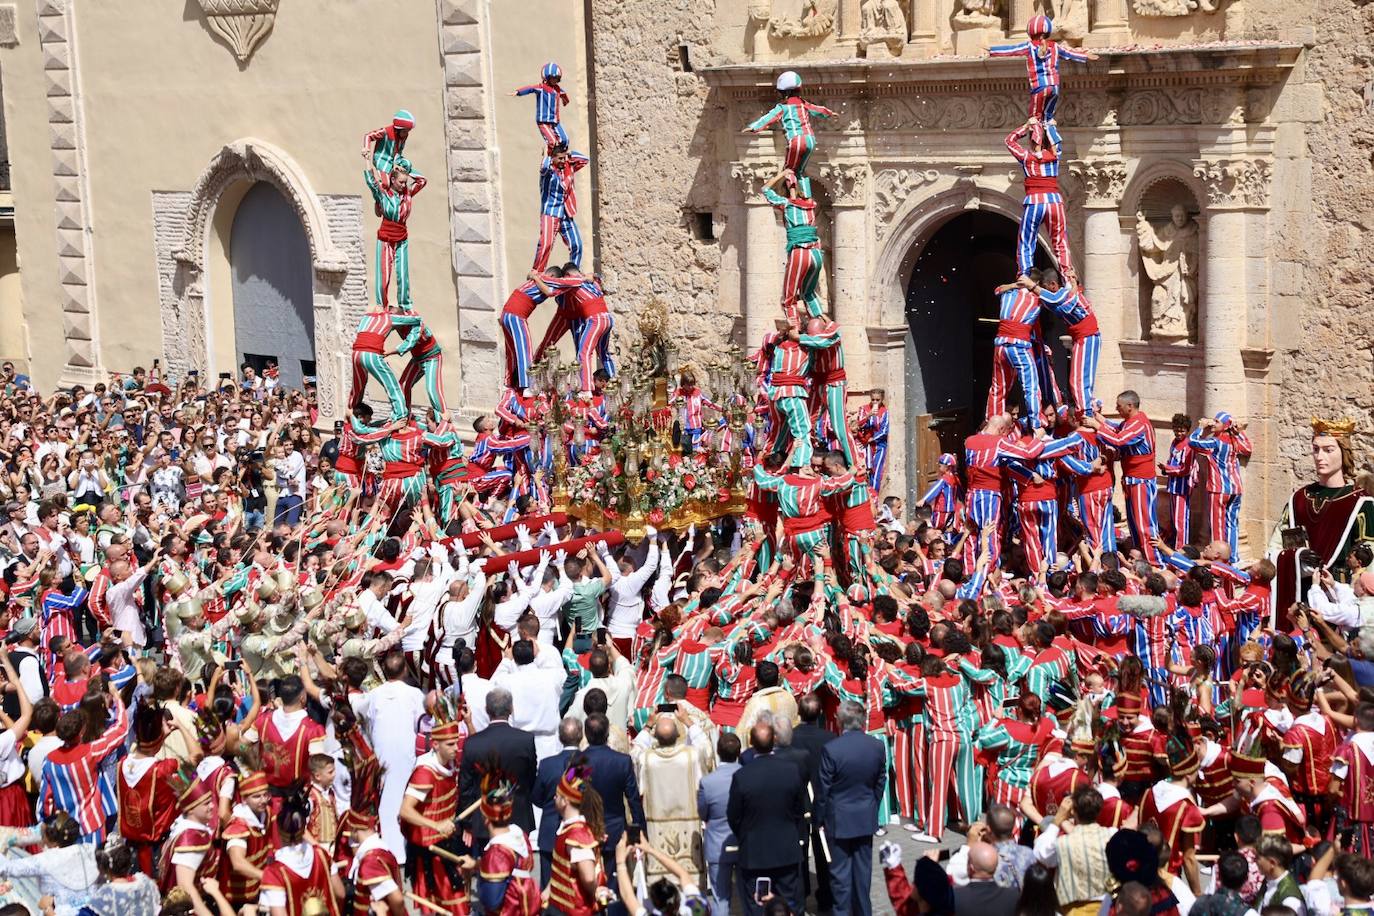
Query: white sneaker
[[923, 838], [912, 827], [881, 831]]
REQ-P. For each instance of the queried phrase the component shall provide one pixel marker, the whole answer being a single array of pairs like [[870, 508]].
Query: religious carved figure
[[795, 18], [1174, 7], [1169, 254], [978, 14], [1070, 17], [883, 23]]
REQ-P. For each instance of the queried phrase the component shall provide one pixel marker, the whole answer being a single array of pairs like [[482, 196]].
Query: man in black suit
[[808, 736], [766, 812], [551, 770], [501, 745], [849, 787], [613, 777], [982, 894]]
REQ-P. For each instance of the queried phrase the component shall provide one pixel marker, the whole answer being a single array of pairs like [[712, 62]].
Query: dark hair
[[116, 861], [597, 729], [522, 653], [290, 688], [1038, 897], [728, 747], [393, 664], [1232, 870], [293, 816], [1087, 805], [767, 674], [61, 829]]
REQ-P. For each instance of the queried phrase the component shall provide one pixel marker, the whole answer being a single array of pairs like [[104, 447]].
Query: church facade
[[1216, 231]]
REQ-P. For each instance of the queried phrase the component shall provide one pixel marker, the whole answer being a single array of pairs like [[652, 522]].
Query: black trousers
[[825, 900], [786, 883]]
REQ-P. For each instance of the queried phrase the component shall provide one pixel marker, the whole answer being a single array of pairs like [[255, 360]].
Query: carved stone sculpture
[[1070, 17], [795, 18], [1157, 8], [883, 26], [1169, 254], [243, 24], [977, 14]]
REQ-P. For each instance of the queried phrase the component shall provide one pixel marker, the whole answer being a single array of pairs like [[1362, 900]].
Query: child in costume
[[385, 145], [795, 114], [549, 98], [1042, 65]]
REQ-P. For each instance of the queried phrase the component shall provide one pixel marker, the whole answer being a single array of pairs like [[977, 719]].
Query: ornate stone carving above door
[[243, 24]]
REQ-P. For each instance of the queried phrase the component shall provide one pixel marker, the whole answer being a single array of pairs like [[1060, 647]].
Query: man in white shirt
[[121, 598], [290, 468], [627, 584], [375, 586], [391, 715], [430, 584], [555, 590], [615, 677], [534, 675], [1342, 605]]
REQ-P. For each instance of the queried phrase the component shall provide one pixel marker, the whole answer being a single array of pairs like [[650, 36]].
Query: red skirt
[[15, 808]]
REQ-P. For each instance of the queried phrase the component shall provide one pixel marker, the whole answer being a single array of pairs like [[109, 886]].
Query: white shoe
[[923, 838], [913, 828], [881, 831]]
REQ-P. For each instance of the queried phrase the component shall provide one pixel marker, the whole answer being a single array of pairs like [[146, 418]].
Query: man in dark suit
[[808, 736], [613, 777], [983, 895], [766, 812], [719, 844], [551, 770], [501, 745], [851, 782]]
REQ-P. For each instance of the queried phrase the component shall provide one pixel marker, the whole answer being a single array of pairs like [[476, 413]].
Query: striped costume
[[558, 209], [427, 362], [447, 468], [1043, 204], [1220, 454], [1134, 441], [951, 720], [582, 310], [388, 143], [829, 388], [1180, 474], [1092, 491], [1037, 498], [871, 428], [801, 278], [1042, 68], [393, 239], [943, 496], [794, 114], [805, 521], [369, 345], [72, 780], [515, 329], [1019, 746], [1072, 305], [693, 402], [985, 457], [353, 440], [549, 98], [1013, 356], [403, 474], [790, 369]]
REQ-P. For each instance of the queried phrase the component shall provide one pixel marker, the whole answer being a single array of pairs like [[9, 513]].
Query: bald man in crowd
[[983, 895]]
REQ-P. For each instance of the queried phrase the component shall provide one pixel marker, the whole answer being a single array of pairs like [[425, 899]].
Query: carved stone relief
[[948, 112], [795, 18], [1235, 182], [243, 24], [1157, 8], [1169, 255], [847, 183], [883, 32], [894, 187], [1102, 181]]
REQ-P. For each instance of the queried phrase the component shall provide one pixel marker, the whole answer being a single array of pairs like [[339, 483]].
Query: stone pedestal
[[764, 260], [850, 299], [973, 42], [1104, 250]]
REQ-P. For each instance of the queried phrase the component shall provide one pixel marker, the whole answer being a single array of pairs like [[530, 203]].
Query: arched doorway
[[951, 310], [270, 267]]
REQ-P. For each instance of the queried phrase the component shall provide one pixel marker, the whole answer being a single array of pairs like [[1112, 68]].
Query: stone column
[[1234, 187], [848, 186], [764, 253], [1018, 14], [1108, 22], [1104, 250]]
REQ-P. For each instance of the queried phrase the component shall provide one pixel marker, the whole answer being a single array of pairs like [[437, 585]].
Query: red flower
[[615, 471], [674, 460], [651, 474], [723, 494], [610, 513], [656, 516], [689, 481]]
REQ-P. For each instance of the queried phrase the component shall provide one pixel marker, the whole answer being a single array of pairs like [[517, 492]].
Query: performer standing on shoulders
[[1043, 201], [1220, 443], [549, 97], [795, 114], [558, 204]]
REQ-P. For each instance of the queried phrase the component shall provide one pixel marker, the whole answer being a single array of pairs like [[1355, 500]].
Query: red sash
[[400, 470], [1042, 184], [519, 304], [1018, 330], [805, 523], [392, 231], [369, 342]]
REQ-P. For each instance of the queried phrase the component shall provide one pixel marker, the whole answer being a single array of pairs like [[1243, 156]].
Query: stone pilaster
[[848, 184], [71, 192], [1103, 181], [764, 252], [474, 203]]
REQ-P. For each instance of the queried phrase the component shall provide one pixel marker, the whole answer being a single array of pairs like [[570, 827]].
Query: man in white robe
[[391, 715]]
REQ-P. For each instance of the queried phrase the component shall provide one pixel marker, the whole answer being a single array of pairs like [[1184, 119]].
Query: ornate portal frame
[[192, 232]]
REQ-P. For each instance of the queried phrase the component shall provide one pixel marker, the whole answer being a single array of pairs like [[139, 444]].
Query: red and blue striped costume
[[1037, 504], [985, 456], [871, 428], [353, 438], [1134, 441], [1221, 454], [483, 458], [1180, 476], [57, 621], [1093, 493], [801, 278], [795, 116], [1043, 203], [1014, 357], [1042, 70], [515, 327], [558, 209], [943, 498], [582, 310], [72, 780], [590, 414], [1070, 304], [693, 402], [548, 102]]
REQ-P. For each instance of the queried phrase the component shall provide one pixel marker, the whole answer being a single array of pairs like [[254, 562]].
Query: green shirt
[[584, 607]]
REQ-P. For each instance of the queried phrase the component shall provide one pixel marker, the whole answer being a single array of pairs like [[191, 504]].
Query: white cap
[[789, 80]]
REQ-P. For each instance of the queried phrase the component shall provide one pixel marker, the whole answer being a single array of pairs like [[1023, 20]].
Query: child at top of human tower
[[549, 99], [1042, 66], [795, 113]]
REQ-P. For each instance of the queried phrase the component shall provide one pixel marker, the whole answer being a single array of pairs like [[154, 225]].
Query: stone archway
[[188, 226]]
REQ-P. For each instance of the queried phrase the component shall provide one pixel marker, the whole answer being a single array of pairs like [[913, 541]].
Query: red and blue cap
[[1039, 26], [551, 71]]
